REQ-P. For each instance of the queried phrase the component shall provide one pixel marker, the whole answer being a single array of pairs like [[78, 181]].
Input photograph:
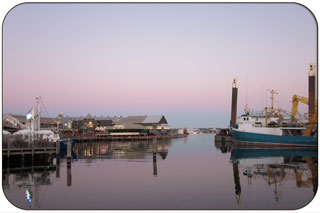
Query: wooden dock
[[23, 148]]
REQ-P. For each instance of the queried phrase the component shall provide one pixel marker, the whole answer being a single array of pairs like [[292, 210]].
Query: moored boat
[[251, 132], [276, 127], [64, 143], [223, 135]]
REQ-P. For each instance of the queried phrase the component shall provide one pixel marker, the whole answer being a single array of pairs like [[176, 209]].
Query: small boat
[[64, 143], [223, 135]]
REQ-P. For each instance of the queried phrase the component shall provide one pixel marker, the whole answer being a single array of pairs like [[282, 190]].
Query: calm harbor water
[[185, 173]]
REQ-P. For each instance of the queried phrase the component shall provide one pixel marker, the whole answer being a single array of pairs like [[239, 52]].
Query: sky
[[178, 60]]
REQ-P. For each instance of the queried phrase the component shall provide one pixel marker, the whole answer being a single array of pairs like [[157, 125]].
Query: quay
[[23, 148], [28, 154]]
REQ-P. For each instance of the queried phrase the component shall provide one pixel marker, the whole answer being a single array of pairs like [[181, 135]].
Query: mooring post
[[58, 148], [58, 158], [69, 148], [234, 103], [312, 90]]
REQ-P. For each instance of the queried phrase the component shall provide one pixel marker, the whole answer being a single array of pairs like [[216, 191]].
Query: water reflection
[[275, 166], [123, 150], [223, 146], [31, 180], [144, 175]]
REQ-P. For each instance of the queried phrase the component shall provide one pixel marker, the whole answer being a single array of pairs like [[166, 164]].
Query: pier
[[23, 148], [21, 153]]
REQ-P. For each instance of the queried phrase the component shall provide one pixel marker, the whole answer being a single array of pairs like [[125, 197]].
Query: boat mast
[[36, 110], [273, 92]]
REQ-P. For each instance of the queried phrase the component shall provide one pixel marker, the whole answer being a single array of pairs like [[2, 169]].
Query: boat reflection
[[224, 146], [275, 166], [31, 180]]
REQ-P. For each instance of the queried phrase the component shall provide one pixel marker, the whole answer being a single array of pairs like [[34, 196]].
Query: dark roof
[[133, 119], [88, 117], [155, 119], [8, 125]]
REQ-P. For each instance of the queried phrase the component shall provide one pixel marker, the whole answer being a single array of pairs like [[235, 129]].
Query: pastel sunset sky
[[178, 60]]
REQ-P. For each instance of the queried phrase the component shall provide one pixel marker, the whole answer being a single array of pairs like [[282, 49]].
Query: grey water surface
[[184, 173]]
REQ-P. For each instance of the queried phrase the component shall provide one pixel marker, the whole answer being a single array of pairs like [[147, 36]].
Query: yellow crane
[[313, 119], [295, 101]]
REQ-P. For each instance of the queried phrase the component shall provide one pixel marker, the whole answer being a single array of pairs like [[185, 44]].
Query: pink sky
[[155, 59]]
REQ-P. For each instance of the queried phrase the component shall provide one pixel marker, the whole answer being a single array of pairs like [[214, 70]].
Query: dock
[[27, 154], [20, 148]]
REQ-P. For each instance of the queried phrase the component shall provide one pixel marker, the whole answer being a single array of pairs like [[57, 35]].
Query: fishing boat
[[46, 135], [223, 135], [273, 128], [251, 131]]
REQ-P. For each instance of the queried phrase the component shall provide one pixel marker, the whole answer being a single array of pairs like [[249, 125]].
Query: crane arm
[[295, 101]]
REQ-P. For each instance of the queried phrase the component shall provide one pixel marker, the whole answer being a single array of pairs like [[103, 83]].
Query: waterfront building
[[140, 125], [20, 122], [131, 125]]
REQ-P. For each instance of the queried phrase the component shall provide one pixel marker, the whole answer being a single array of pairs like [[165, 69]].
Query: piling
[[58, 159], [58, 148], [312, 90], [69, 147], [234, 102]]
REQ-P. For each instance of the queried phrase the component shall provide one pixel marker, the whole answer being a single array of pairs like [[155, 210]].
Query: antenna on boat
[[37, 114], [273, 92], [246, 109], [262, 97]]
